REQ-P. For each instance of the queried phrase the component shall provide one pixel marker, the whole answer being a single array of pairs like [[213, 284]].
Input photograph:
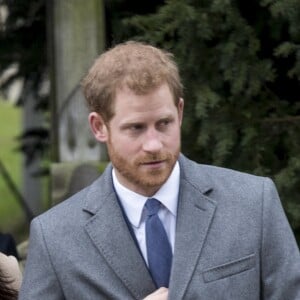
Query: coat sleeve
[[279, 253], [40, 279]]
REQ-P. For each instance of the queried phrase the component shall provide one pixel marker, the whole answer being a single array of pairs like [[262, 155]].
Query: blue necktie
[[159, 251]]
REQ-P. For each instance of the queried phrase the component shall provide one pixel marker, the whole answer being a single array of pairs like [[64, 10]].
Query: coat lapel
[[109, 232], [194, 216]]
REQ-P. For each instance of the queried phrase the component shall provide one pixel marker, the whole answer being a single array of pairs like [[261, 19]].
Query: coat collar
[[195, 174], [99, 192], [102, 188]]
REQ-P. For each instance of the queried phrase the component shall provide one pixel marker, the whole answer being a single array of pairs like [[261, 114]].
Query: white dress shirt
[[133, 205]]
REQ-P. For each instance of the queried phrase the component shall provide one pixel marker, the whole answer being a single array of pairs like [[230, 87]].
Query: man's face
[[143, 138]]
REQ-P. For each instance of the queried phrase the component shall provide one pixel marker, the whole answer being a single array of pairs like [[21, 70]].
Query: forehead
[[130, 105]]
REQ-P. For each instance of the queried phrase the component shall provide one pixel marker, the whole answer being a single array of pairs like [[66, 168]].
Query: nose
[[152, 141]]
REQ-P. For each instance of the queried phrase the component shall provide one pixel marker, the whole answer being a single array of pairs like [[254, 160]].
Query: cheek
[[125, 146], [173, 138]]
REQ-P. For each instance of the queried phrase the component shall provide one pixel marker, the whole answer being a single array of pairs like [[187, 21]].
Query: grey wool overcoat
[[233, 241]]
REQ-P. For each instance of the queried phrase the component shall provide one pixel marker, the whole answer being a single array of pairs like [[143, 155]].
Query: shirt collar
[[133, 203]]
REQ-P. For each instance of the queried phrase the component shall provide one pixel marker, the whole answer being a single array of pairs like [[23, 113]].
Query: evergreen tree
[[240, 64]]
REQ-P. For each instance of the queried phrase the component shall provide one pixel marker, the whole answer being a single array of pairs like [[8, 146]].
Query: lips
[[153, 162], [152, 159], [157, 165]]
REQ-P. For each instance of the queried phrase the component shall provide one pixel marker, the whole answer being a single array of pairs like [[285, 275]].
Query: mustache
[[153, 157]]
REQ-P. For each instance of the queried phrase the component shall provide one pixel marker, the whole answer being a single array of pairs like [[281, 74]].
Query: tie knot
[[152, 205]]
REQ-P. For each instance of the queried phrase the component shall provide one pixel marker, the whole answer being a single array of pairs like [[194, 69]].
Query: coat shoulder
[[223, 181]]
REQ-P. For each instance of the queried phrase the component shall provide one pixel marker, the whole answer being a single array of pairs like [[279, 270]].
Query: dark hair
[[6, 292]]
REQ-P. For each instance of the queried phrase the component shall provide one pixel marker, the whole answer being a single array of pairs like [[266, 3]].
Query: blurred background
[[239, 62]]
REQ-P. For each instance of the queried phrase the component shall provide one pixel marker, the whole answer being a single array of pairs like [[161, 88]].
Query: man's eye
[[163, 124], [136, 127]]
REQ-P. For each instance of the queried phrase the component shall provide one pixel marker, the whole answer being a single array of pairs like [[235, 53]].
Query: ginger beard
[[139, 177]]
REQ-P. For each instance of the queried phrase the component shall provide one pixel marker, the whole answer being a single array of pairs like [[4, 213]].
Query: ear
[[180, 110], [98, 127]]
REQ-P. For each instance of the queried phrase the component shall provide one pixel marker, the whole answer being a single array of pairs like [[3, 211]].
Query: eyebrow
[[129, 123]]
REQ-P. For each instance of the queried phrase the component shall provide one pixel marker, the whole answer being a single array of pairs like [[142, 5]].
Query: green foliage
[[11, 215], [240, 64]]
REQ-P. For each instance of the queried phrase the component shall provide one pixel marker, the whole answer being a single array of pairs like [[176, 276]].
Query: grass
[[11, 215]]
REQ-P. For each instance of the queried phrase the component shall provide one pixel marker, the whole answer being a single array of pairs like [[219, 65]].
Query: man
[[220, 234]]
